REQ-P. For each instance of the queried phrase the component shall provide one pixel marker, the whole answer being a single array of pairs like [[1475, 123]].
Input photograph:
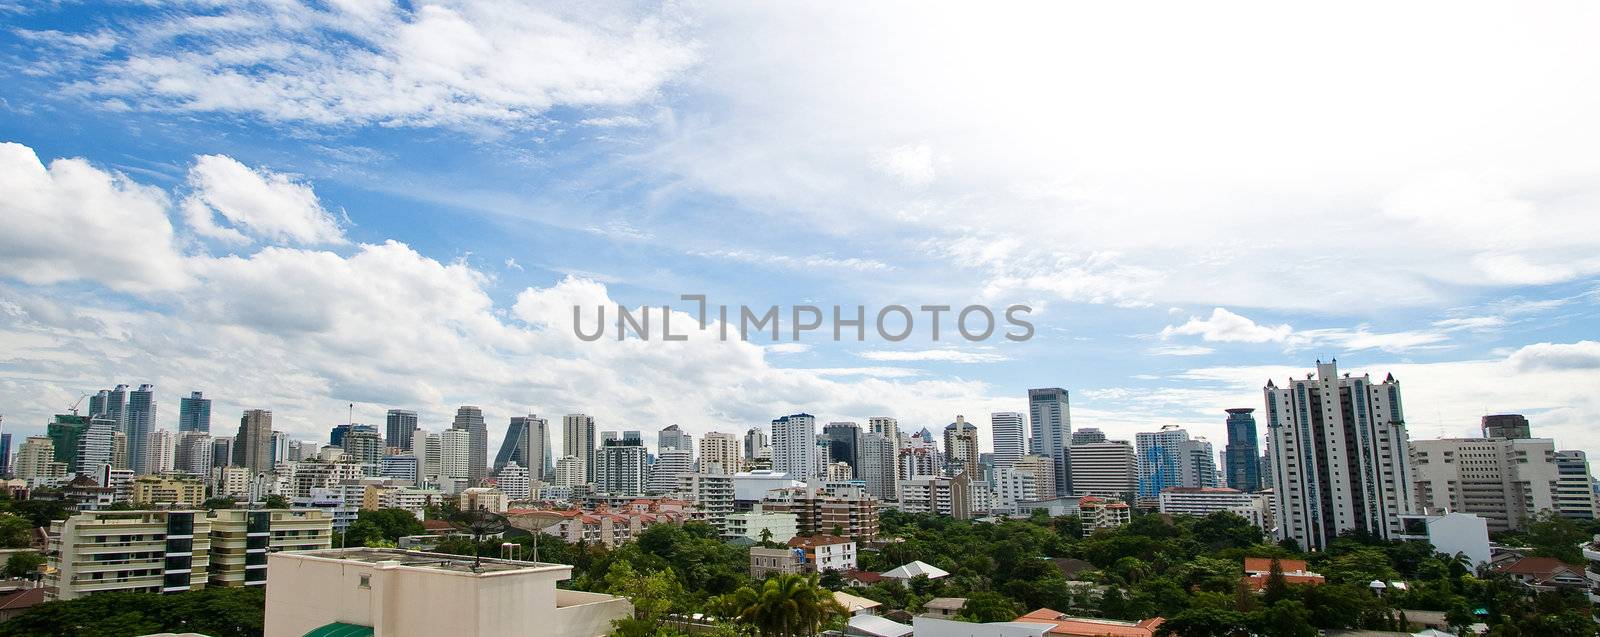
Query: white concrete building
[[750, 526], [1010, 441], [1012, 487], [569, 472], [1575, 495], [875, 459], [398, 593], [926, 495], [514, 480], [794, 446], [455, 456], [752, 486], [671, 462], [711, 493], [1451, 533], [1106, 469], [1203, 501], [1507, 481]]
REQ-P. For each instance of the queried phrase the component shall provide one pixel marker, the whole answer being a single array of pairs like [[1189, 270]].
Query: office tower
[[337, 433], [252, 446], [513, 479], [578, 441], [65, 430], [402, 467], [670, 463], [160, 451], [719, 453], [671, 437], [429, 449], [1167, 458], [193, 454], [100, 403], [222, 451], [5, 454], [1106, 469], [194, 413], [1574, 490], [1088, 435], [620, 467], [280, 447], [1511, 426], [526, 443], [1505, 481], [1339, 456], [754, 441], [455, 457], [1050, 418], [398, 426], [794, 446], [877, 466], [174, 549], [114, 406], [365, 447], [961, 446], [1009, 440], [843, 439], [470, 418], [140, 419], [1242, 455]]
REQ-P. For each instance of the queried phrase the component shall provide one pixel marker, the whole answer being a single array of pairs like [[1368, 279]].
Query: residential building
[[194, 413], [1103, 513], [601, 526], [252, 446], [1574, 490], [670, 463], [65, 432], [1257, 570], [919, 459], [621, 468], [1203, 501], [36, 461], [1241, 458], [751, 487], [929, 494], [1014, 486], [514, 480], [765, 561], [1108, 468], [242, 538], [1546, 574], [719, 453], [961, 446], [753, 525], [848, 511], [1010, 443], [757, 444], [488, 498], [569, 472], [1043, 471], [877, 465], [1050, 419], [1339, 456], [712, 495], [1062, 625], [824, 552], [364, 446], [160, 450], [400, 427], [673, 437], [169, 491], [794, 446], [138, 421], [455, 459], [1087, 436], [404, 468], [469, 418], [399, 593], [1508, 481], [1170, 458], [578, 441], [429, 449], [132, 551], [193, 454]]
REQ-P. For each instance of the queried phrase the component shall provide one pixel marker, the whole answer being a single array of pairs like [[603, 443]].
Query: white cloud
[[72, 221], [802, 262], [1180, 350], [511, 264], [1224, 326], [466, 63], [912, 165], [1227, 327], [787, 348], [1582, 355], [259, 203], [934, 355]]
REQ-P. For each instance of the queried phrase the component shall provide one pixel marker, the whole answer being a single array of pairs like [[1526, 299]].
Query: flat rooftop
[[426, 560]]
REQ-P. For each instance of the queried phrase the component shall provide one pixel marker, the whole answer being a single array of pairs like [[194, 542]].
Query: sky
[[348, 206]]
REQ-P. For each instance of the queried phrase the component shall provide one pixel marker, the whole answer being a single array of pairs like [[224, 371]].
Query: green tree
[[219, 612], [24, 564], [987, 606], [276, 501], [212, 504], [654, 596], [1204, 622], [788, 605], [15, 532], [1287, 618]]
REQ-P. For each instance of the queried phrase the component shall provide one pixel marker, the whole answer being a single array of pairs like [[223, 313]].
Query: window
[[366, 581]]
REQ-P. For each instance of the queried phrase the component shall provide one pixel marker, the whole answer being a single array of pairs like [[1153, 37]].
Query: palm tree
[[789, 605]]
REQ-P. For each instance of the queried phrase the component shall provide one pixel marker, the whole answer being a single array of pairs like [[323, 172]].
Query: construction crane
[[74, 406]]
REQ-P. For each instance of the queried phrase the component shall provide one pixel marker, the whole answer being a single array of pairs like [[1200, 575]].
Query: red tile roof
[[1264, 565], [25, 598], [1091, 627], [1541, 567]]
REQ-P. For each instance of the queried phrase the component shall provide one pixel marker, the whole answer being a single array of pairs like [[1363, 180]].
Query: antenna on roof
[[352, 419]]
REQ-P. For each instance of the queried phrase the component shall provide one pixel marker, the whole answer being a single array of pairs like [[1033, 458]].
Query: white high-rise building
[[1050, 417], [1575, 494], [1340, 457], [794, 446], [1013, 486], [671, 437], [455, 458], [515, 481], [569, 472], [757, 444], [719, 453], [877, 466], [1010, 444], [578, 441], [620, 468], [670, 463], [1170, 458], [160, 451], [1505, 481], [194, 453], [1106, 469]]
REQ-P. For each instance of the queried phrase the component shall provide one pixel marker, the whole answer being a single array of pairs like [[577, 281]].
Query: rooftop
[[424, 560], [1091, 627]]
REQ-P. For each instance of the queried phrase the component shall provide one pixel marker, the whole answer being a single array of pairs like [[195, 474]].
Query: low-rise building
[[399, 593], [1067, 626], [778, 527], [174, 491], [241, 539], [135, 551], [946, 607], [1451, 534], [765, 561], [601, 526], [1257, 570], [1546, 574], [1103, 513], [489, 498], [824, 552]]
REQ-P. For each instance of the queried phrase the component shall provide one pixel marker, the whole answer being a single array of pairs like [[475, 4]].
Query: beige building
[[1507, 482], [483, 497], [137, 551], [720, 453], [241, 539], [175, 491], [398, 593]]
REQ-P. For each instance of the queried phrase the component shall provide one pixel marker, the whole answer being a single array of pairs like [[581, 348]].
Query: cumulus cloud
[[75, 222], [463, 64], [1582, 355], [259, 203], [1227, 327], [1224, 326]]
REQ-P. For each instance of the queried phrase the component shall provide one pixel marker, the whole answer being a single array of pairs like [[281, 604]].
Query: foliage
[[788, 605], [212, 504], [15, 531], [372, 527], [24, 564], [654, 596], [276, 501], [218, 612], [987, 606]]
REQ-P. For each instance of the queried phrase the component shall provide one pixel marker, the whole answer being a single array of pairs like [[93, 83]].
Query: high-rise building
[[569, 472], [470, 418], [401, 467], [222, 451], [1339, 456], [1242, 455], [193, 454], [671, 462], [1042, 468], [1574, 492], [889, 428], [961, 446], [1050, 419], [5, 454], [429, 449], [65, 432], [1512, 426], [160, 452], [455, 458], [578, 441], [1010, 443], [524, 444], [877, 466], [398, 425], [1107, 469], [100, 404], [139, 420], [194, 413], [36, 460], [114, 405], [1505, 481], [621, 467], [364, 447], [719, 453], [755, 440], [513, 479], [843, 440], [281, 447], [1088, 436], [1170, 458], [671, 437], [252, 446], [794, 446]]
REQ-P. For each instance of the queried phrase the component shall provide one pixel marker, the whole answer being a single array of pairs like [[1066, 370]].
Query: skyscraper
[[138, 422], [470, 418], [398, 426], [1170, 458], [1050, 418], [1339, 456], [1009, 440], [578, 441], [160, 451], [524, 444], [843, 439], [455, 459], [194, 413], [719, 453], [5, 454], [1242, 456], [794, 446], [621, 467], [194, 453], [961, 446], [115, 406], [671, 437], [877, 467], [252, 446], [1106, 469], [1511, 426], [754, 441]]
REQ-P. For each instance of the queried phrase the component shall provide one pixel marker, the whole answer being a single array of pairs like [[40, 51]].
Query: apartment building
[[176, 491], [1506, 481], [241, 539], [845, 510], [131, 551]]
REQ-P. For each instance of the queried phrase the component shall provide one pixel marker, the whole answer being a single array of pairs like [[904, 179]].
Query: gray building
[[470, 419], [138, 421], [399, 424], [194, 413], [844, 439], [1050, 419], [252, 446]]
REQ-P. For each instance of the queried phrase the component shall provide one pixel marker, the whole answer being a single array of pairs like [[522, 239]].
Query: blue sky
[[296, 207]]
